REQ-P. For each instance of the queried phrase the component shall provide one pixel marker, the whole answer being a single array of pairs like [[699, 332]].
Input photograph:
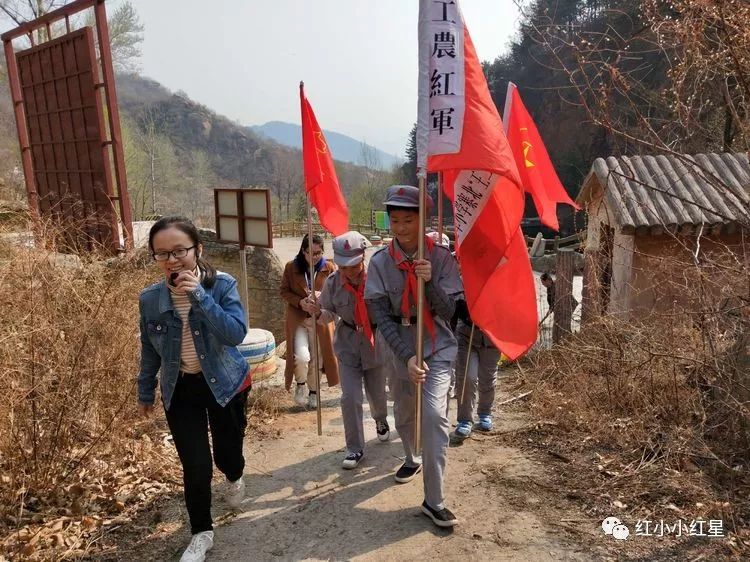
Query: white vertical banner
[[471, 193], [441, 103], [423, 92]]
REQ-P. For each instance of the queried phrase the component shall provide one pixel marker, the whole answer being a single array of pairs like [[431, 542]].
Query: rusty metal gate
[[67, 151]]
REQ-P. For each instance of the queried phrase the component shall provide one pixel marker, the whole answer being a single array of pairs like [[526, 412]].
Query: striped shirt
[[189, 362]]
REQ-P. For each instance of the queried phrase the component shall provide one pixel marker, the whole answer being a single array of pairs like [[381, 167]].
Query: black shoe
[[407, 473], [352, 460], [442, 518], [384, 431]]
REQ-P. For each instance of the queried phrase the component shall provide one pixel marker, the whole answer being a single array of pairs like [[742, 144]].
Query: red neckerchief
[[410, 291], [361, 319]]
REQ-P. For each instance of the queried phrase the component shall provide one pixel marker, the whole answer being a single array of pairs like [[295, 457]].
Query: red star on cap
[[401, 191], [347, 246]]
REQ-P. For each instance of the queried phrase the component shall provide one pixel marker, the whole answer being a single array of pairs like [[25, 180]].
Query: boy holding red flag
[[391, 296]]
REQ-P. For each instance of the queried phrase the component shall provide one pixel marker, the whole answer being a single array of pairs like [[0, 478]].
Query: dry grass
[[73, 455], [76, 462], [654, 411], [265, 404]]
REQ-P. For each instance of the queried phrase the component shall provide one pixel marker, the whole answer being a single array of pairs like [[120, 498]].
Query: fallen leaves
[[69, 521]]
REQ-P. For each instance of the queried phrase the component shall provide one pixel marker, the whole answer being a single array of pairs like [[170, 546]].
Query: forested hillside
[[178, 150], [605, 77], [193, 149], [600, 77]]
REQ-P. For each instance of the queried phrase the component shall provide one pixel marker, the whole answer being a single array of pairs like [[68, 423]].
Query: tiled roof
[[673, 191]]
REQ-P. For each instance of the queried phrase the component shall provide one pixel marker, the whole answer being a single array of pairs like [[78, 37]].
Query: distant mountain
[[236, 153], [343, 147], [177, 150]]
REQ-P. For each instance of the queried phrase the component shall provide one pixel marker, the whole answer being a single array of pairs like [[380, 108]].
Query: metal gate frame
[[114, 143]]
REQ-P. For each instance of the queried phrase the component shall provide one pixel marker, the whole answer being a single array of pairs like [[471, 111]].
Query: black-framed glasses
[[178, 253]]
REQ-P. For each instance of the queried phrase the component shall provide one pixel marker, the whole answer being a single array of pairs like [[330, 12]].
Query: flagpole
[[422, 137], [314, 344], [420, 316], [311, 263], [440, 207], [506, 109]]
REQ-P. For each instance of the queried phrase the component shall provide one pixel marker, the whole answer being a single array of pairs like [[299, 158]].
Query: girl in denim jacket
[[191, 322]]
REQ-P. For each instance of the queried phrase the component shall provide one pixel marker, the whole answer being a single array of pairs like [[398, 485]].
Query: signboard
[[381, 220], [243, 216]]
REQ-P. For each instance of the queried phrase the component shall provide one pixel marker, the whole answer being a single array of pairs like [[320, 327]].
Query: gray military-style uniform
[[383, 292], [482, 372], [358, 362]]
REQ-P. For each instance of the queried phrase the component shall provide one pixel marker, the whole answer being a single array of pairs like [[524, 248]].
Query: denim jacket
[[217, 324]]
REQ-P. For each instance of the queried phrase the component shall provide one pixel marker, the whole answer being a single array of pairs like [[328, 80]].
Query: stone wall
[[264, 272]]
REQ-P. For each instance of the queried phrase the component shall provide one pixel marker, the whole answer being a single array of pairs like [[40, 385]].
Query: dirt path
[[302, 506]]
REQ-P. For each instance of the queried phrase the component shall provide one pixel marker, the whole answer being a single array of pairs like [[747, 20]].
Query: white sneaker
[[299, 394], [312, 400], [199, 545], [234, 493]]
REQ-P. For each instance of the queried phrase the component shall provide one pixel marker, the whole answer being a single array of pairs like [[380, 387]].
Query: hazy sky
[[245, 58]]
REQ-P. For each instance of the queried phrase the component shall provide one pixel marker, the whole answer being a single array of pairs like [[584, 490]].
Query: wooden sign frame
[[240, 220]]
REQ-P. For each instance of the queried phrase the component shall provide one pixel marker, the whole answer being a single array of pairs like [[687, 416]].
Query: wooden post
[[563, 305], [590, 305], [245, 297], [113, 114], [440, 208], [419, 344], [623, 250], [314, 331], [23, 134]]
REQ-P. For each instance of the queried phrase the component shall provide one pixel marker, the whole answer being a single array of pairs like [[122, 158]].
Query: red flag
[[321, 184], [496, 271], [462, 135], [537, 173]]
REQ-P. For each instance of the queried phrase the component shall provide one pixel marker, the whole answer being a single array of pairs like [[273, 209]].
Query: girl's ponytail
[[208, 271]]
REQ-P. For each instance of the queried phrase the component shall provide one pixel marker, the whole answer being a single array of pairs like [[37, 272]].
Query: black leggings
[[192, 411]]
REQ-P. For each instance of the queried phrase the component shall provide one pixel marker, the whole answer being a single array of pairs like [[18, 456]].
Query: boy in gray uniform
[[391, 298], [482, 357], [354, 344]]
